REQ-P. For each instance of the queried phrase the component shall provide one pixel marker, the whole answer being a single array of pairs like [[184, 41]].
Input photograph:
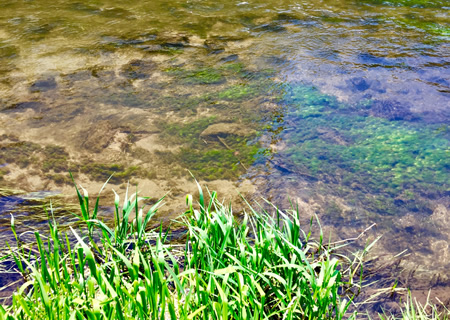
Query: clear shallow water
[[342, 106]]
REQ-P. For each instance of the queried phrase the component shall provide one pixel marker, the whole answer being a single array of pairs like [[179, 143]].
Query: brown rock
[[98, 136]]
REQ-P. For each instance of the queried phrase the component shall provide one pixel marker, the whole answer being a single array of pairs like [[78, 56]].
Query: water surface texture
[[340, 106]]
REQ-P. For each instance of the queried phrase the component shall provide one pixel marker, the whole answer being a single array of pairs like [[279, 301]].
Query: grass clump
[[260, 266], [414, 310]]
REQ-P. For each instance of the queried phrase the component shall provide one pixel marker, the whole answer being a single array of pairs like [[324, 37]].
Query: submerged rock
[[78, 76], [44, 84], [98, 136], [138, 69], [85, 8], [332, 136], [373, 60], [391, 110], [22, 106], [116, 13], [214, 46], [8, 51], [360, 84], [270, 27], [110, 12], [230, 58], [225, 129], [173, 40]]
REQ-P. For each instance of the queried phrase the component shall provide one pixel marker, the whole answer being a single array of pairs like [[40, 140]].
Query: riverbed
[[340, 107]]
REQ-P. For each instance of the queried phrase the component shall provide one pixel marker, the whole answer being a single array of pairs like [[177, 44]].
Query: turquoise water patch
[[333, 142]]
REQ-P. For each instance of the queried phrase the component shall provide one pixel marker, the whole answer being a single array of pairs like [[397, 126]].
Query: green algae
[[141, 153], [51, 159], [102, 171], [117, 172], [126, 98], [234, 68], [55, 163], [381, 205], [418, 19], [22, 153], [184, 104], [204, 76], [186, 133], [218, 158], [412, 21], [239, 92], [305, 96], [384, 157], [211, 164], [224, 157], [313, 110], [56, 159], [226, 163], [7, 51], [364, 152], [199, 76], [59, 178], [388, 167]]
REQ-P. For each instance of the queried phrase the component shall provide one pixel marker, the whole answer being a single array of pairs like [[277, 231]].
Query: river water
[[341, 107]]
